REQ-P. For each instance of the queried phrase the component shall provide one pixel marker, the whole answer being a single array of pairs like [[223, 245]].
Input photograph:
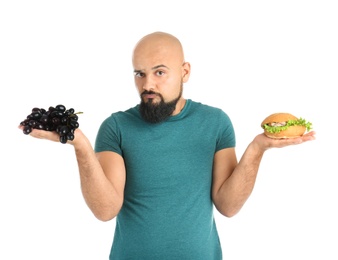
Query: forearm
[[99, 193], [236, 189]]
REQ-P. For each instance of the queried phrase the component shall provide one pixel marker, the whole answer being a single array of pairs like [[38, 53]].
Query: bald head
[[159, 73], [159, 47]]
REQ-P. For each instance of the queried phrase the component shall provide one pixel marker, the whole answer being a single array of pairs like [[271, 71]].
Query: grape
[[63, 139], [63, 130], [73, 123], [27, 129], [44, 118], [70, 136], [32, 123], [56, 121], [61, 108], [57, 118]]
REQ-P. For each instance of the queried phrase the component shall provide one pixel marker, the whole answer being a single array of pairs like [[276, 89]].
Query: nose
[[148, 84]]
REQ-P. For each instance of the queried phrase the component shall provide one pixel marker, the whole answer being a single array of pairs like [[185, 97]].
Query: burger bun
[[291, 132]]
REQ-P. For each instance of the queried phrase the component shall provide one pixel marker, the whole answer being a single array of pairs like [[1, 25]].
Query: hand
[[50, 135], [266, 143]]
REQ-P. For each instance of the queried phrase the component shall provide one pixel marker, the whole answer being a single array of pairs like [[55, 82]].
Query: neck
[[179, 106]]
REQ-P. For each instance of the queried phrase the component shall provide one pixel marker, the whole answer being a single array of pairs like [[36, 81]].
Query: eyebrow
[[153, 68]]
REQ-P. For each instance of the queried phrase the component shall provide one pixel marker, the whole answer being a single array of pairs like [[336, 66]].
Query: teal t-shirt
[[167, 212]]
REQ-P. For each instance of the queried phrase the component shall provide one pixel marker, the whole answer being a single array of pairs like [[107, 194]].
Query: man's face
[[160, 84]]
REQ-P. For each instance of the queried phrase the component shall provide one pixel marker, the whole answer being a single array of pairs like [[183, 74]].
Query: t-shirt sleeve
[[108, 136], [226, 136]]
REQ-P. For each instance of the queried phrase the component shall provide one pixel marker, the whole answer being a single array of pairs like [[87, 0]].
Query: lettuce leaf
[[277, 129]]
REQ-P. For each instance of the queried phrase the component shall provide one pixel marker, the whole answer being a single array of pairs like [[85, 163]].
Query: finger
[[309, 136], [312, 133]]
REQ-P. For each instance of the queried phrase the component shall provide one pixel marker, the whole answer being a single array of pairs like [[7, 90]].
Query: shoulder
[[125, 119], [124, 115], [208, 109]]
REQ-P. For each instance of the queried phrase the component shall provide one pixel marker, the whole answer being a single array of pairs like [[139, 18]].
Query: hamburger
[[285, 125]]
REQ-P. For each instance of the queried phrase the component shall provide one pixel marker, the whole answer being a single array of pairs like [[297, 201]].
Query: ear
[[185, 71]]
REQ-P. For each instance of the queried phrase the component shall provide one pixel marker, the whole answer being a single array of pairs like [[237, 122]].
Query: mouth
[[149, 96]]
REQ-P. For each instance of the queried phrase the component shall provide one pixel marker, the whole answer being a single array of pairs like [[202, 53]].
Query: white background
[[250, 58]]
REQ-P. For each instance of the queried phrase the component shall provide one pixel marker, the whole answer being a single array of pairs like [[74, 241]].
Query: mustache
[[146, 92]]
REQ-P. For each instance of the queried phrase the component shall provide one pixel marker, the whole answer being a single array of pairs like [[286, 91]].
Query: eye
[[138, 74], [160, 73]]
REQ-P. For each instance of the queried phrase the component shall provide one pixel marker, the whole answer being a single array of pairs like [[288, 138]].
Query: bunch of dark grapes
[[59, 119]]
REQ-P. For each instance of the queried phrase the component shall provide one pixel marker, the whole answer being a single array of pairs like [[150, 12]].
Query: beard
[[156, 113]]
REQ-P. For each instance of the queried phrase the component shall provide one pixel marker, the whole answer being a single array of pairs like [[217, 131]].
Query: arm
[[102, 175], [233, 182], [102, 178]]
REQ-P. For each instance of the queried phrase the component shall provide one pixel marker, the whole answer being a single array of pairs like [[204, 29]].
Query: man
[[159, 167]]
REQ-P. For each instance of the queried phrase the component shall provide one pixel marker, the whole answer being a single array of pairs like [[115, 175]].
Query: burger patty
[[277, 124]]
